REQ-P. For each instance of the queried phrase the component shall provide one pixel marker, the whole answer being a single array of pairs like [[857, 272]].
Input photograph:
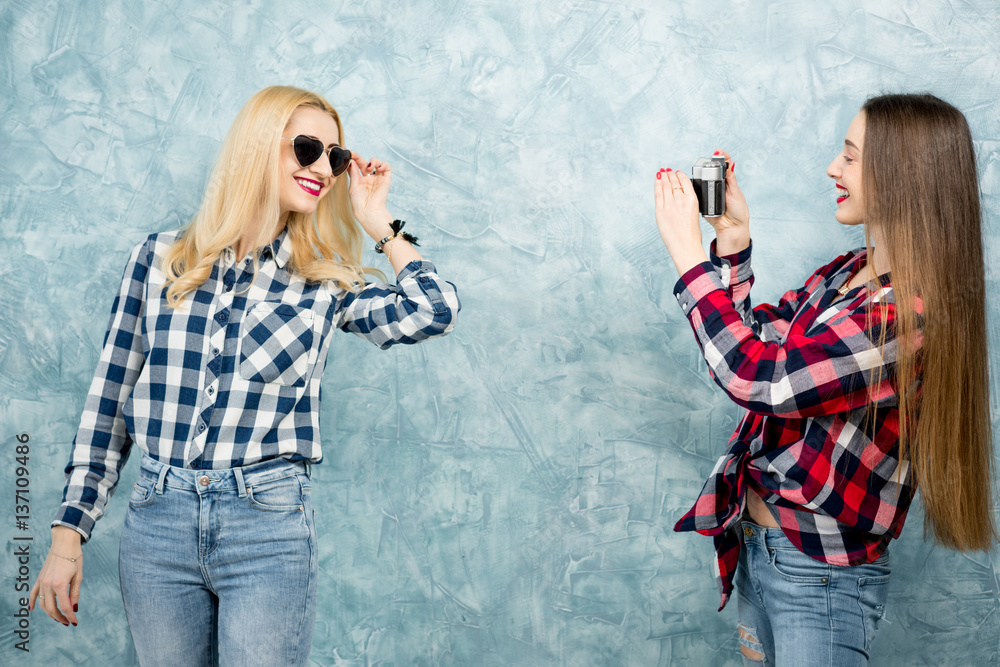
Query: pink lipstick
[[310, 186]]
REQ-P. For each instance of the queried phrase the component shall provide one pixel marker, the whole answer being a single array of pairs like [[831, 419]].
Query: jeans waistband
[[202, 481]]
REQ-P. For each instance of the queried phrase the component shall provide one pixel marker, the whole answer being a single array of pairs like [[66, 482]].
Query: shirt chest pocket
[[276, 344]]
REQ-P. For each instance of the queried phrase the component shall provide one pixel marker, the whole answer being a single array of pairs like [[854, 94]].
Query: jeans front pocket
[[276, 344], [287, 494], [794, 566], [143, 494]]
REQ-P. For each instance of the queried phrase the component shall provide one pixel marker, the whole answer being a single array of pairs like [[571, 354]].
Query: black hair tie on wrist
[[397, 230]]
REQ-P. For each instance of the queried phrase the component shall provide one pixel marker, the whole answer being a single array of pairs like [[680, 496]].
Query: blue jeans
[[220, 566], [795, 610]]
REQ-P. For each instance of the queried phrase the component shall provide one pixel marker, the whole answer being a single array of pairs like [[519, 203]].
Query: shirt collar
[[280, 249], [861, 256]]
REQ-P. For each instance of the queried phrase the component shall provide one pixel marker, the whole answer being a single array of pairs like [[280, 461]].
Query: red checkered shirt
[[820, 440]]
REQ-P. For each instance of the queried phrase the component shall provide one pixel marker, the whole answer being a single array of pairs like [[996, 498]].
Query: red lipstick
[[842, 196]]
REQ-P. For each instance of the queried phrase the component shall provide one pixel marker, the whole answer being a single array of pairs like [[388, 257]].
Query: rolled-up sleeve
[[420, 306]]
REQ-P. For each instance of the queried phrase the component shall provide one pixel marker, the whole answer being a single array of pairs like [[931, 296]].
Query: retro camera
[[708, 175]]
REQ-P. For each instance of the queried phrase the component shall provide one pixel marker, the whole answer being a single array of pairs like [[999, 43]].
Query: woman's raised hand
[[369, 189], [676, 209], [732, 228]]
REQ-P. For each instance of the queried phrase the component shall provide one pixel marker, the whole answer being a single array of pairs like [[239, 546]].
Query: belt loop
[[238, 472], [309, 469], [160, 478]]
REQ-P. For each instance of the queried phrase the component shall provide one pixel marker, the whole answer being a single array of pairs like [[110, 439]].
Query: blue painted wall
[[503, 496]]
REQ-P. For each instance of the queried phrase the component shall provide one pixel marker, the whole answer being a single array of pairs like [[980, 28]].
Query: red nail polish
[[717, 153], [669, 169], [74, 609], [657, 175]]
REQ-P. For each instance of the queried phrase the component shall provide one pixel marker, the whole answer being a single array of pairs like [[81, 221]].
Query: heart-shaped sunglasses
[[308, 150]]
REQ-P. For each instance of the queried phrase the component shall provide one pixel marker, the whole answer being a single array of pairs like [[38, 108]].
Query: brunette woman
[[868, 382], [212, 366]]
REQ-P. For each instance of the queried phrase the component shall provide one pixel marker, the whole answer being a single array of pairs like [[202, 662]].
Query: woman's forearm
[[732, 241], [686, 256]]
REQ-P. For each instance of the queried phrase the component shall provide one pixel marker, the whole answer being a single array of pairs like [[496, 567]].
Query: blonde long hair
[[922, 194], [242, 197]]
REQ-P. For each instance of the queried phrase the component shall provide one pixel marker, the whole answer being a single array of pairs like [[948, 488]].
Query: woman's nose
[[322, 167], [833, 171]]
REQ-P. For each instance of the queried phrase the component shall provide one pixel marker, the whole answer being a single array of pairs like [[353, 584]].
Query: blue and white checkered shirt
[[233, 376]]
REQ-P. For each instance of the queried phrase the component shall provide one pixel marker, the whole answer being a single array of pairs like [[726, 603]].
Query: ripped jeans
[[795, 610]]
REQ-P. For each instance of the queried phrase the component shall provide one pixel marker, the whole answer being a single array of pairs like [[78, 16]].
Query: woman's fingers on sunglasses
[[360, 163], [370, 167], [378, 166]]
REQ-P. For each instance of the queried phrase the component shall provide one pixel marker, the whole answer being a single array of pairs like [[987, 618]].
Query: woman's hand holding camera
[[676, 208], [677, 218], [732, 228]]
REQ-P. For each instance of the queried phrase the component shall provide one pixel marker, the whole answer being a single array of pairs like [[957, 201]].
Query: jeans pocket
[[143, 494], [873, 591], [794, 566], [872, 594], [281, 495], [276, 344]]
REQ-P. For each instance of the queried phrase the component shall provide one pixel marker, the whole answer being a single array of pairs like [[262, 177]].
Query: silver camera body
[[708, 175]]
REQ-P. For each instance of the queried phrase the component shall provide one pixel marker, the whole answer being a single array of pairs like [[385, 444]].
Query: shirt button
[[222, 317], [201, 427], [248, 262], [204, 480], [215, 351], [211, 390]]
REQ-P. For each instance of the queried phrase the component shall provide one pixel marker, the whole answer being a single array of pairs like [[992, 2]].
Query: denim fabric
[[220, 566], [804, 612]]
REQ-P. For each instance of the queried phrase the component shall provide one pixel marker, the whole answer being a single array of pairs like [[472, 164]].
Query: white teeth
[[308, 184]]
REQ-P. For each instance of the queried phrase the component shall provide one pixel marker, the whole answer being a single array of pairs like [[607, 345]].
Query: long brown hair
[[243, 192], [922, 195]]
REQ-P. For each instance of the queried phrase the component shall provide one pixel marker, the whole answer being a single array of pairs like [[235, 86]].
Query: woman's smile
[[310, 186], [842, 193]]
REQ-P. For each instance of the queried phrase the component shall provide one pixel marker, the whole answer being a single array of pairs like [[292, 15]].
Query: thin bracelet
[[72, 560], [385, 249]]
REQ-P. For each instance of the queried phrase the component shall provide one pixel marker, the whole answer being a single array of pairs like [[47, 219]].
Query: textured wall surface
[[503, 496]]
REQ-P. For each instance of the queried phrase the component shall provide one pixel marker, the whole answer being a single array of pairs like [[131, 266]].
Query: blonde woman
[[212, 366], [861, 386]]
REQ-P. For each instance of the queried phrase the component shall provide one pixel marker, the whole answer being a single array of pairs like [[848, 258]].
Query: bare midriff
[[758, 511]]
